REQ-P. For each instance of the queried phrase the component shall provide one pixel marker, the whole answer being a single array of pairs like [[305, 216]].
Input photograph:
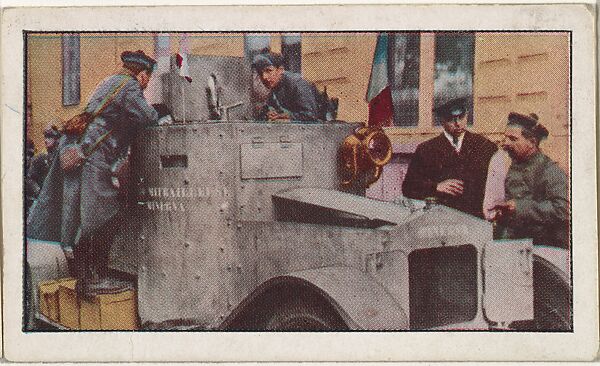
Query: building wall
[[523, 72], [100, 57], [213, 44], [342, 63], [520, 72]]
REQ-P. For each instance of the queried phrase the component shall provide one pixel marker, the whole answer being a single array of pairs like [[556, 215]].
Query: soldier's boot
[[71, 264], [101, 282], [81, 269], [72, 267], [102, 256]]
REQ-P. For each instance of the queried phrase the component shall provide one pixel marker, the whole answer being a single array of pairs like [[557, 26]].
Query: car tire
[[551, 300], [302, 314]]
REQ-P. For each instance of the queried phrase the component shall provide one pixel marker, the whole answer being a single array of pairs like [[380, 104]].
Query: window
[[254, 44], [291, 51], [404, 53], [453, 69], [70, 70]]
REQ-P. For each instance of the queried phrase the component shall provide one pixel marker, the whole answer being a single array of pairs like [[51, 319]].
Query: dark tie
[[455, 141]]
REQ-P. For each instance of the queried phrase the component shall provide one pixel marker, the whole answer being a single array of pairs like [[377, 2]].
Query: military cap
[[529, 121], [29, 148], [453, 108], [140, 58], [529, 124], [264, 60], [51, 132], [29, 145]]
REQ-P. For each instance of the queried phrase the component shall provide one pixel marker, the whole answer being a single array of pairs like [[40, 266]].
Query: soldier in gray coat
[[536, 189], [40, 164], [292, 98], [79, 208]]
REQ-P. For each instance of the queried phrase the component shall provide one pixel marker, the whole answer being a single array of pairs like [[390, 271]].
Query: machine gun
[[214, 97], [328, 107]]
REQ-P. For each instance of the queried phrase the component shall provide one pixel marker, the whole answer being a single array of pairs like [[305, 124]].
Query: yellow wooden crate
[[110, 312], [68, 304], [48, 299]]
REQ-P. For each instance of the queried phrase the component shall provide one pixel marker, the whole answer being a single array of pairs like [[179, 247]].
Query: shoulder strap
[[107, 99], [110, 96]]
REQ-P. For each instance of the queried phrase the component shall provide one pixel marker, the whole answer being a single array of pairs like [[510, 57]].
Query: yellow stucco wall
[[342, 63], [100, 57], [213, 44], [520, 72], [524, 72]]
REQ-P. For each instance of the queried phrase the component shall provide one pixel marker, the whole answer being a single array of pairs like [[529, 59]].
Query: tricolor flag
[[379, 95], [182, 57]]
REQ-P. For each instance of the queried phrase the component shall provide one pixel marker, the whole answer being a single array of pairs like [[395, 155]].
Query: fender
[[360, 301], [557, 259]]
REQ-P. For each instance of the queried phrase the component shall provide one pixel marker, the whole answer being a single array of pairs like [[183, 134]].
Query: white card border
[[366, 346]]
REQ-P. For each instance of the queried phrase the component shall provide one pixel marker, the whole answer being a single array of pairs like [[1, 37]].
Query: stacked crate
[[60, 304]]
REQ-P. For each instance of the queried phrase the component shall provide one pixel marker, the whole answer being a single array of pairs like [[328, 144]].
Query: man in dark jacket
[[452, 167], [292, 98]]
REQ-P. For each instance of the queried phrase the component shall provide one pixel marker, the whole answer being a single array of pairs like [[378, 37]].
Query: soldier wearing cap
[[40, 165], [291, 97], [79, 208], [452, 167], [536, 189]]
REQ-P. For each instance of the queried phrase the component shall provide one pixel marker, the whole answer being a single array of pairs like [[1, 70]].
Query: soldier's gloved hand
[[161, 109], [165, 121], [452, 187]]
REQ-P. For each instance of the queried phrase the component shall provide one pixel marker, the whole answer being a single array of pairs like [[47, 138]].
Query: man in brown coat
[[452, 167]]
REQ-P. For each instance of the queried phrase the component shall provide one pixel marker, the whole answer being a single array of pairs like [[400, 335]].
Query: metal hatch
[[351, 204], [508, 270]]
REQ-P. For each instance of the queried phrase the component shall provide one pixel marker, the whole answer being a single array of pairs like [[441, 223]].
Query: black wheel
[[551, 299], [287, 307], [299, 314]]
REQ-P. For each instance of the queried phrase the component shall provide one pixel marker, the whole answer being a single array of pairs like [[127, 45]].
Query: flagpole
[[183, 100], [184, 50]]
